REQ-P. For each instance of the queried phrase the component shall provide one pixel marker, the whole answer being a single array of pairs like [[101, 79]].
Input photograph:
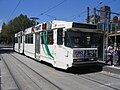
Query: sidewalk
[[109, 68]]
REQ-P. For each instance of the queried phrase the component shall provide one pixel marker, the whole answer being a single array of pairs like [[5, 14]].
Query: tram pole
[[115, 20], [107, 21], [107, 30], [94, 15], [115, 44]]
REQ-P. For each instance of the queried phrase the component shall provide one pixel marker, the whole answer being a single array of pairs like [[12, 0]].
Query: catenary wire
[[52, 8], [14, 10]]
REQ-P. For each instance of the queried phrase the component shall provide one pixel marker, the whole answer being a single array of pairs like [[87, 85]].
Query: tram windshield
[[78, 39]]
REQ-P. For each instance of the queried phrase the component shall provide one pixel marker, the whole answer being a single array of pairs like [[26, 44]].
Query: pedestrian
[[118, 51], [110, 51]]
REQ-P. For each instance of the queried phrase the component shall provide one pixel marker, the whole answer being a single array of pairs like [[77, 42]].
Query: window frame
[[29, 39], [60, 36]]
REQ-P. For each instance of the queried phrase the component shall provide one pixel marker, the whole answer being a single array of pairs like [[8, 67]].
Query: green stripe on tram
[[46, 45]]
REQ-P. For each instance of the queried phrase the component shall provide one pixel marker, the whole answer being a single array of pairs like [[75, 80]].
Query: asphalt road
[[80, 78]]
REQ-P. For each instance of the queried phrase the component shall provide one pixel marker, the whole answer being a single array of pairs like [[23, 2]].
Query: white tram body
[[63, 44], [29, 43], [19, 42]]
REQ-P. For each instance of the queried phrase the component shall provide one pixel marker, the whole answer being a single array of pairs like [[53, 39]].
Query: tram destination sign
[[83, 25]]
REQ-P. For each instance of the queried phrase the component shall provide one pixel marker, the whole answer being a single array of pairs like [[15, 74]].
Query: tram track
[[101, 83], [59, 88], [97, 78], [60, 80], [102, 74], [16, 82], [51, 85]]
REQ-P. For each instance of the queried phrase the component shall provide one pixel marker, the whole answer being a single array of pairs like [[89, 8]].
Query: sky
[[47, 10]]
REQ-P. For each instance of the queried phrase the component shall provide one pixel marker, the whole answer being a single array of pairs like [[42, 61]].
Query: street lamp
[[99, 4], [95, 12]]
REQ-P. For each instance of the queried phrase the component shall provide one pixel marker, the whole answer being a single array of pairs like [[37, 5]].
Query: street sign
[[115, 19]]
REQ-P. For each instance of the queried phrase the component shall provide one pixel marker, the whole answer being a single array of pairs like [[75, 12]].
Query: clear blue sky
[[68, 10]]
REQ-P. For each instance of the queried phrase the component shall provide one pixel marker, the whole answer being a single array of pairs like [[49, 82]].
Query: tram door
[[37, 46], [19, 42]]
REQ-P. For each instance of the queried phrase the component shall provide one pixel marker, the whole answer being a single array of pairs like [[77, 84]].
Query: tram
[[60, 43], [19, 45]]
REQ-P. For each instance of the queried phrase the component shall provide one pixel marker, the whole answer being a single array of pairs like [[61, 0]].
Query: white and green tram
[[63, 44]]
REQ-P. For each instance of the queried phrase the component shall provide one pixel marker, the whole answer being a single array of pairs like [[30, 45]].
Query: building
[[104, 13]]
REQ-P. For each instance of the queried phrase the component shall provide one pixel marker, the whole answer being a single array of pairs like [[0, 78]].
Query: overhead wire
[[52, 8], [117, 8], [50, 16], [46, 10], [109, 2], [14, 10], [78, 15], [75, 16]]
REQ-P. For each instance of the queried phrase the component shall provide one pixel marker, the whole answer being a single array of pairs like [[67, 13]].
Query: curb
[[109, 68], [112, 69]]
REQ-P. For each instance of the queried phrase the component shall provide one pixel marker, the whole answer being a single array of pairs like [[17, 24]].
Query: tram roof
[[19, 34], [64, 24]]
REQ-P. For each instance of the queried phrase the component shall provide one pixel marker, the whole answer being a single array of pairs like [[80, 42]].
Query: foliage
[[15, 25], [3, 35]]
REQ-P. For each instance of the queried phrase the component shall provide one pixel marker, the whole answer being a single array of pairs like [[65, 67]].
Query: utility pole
[[88, 9], [105, 18], [107, 21], [94, 15], [107, 30], [115, 20]]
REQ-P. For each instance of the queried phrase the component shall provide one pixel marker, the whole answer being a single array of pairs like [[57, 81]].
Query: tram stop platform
[[107, 67]]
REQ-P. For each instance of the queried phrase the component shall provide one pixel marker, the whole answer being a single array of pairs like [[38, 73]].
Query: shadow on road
[[98, 67]]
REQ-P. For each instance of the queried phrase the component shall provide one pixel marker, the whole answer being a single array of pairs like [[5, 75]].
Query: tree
[[15, 25], [20, 23], [3, 34]]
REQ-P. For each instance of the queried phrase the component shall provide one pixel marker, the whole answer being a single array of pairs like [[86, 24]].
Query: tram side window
[[16, 39], [42, 42], [21, 39], [60, 36], [26, 38], [29, 39], [50, 37]]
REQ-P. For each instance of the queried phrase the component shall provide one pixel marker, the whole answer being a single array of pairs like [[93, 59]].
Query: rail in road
[[33, 75], [27, 81], [18, 87], [104, 79]]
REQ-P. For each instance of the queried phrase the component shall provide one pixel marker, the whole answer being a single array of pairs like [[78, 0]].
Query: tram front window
[[77, 39]]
